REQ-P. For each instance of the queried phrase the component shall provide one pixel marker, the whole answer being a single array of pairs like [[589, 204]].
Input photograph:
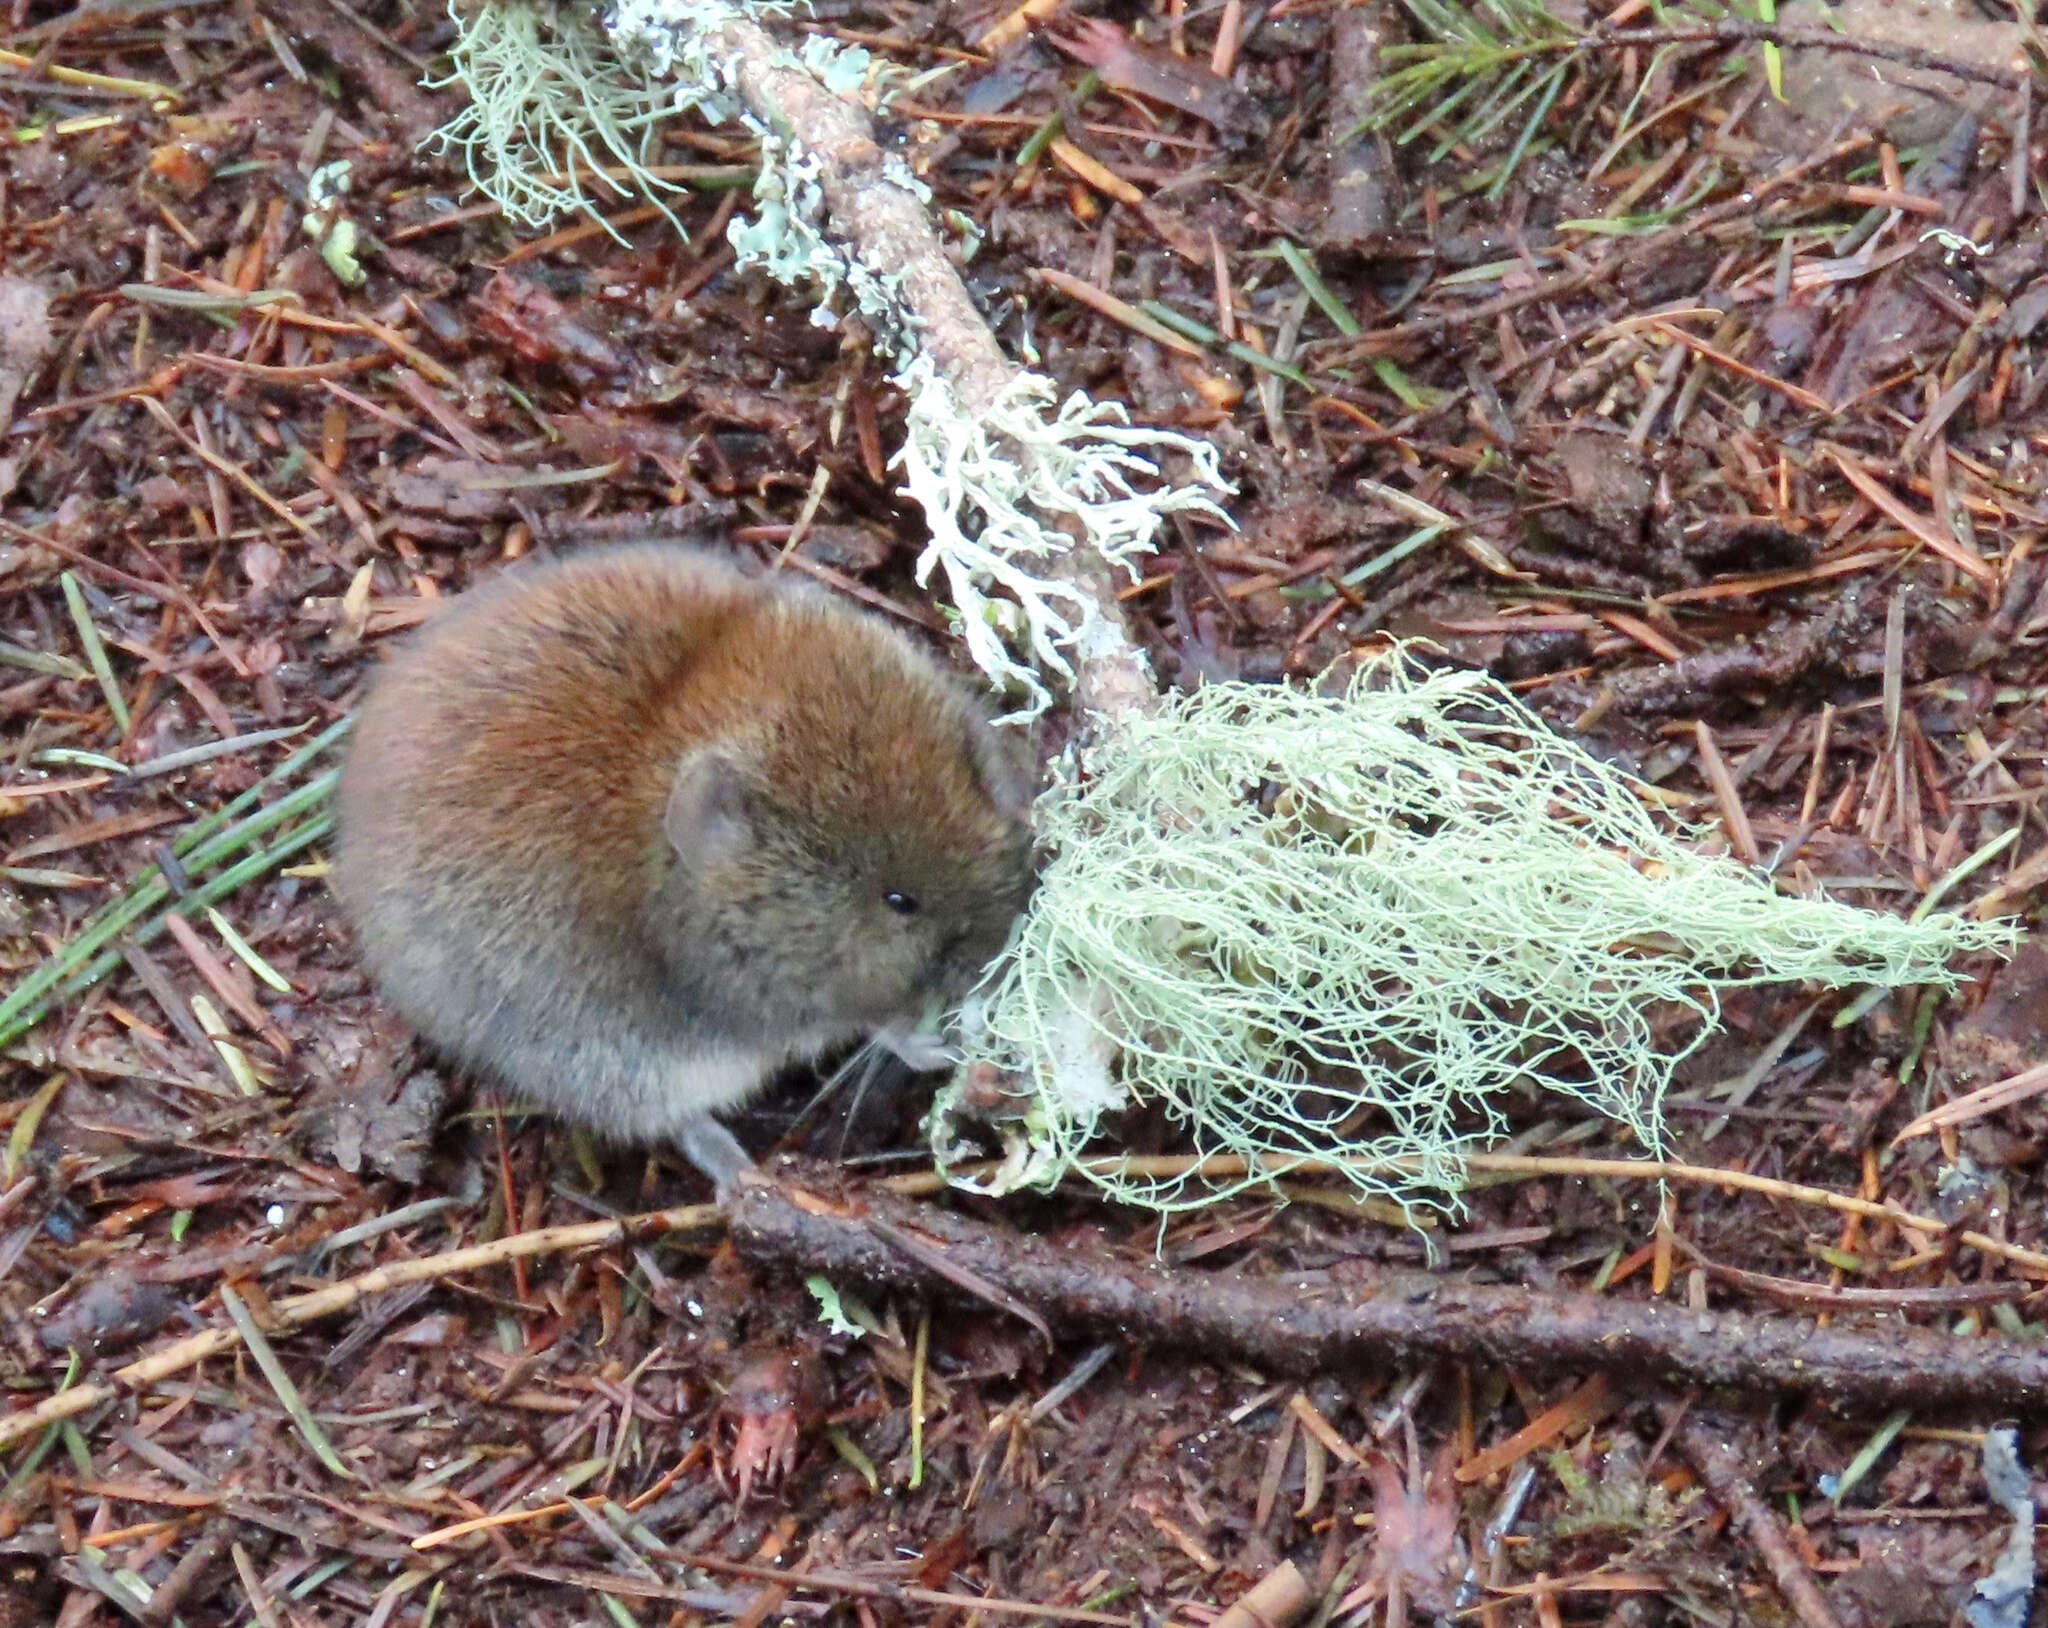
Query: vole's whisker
[[875, 1055], [826, 1087]]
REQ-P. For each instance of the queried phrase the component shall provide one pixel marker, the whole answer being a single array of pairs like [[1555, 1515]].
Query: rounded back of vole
[[656, 801]]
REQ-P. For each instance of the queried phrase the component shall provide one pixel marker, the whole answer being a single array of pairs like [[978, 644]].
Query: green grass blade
[[18, 1019], [1312, 284], [1554, 86], [1526, 81], [202, 845], [96, 652]]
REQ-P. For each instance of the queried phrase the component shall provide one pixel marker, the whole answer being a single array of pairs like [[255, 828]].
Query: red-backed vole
[[627, 831]]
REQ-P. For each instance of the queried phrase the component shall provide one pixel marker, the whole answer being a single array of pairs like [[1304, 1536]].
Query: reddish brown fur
[[503, 857]]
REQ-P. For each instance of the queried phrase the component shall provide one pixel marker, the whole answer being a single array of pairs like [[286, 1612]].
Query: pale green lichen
[[551, 102], [785, 237], [326, 224], [1351, 926]]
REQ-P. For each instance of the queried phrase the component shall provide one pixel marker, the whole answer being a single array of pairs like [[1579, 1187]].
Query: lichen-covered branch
[[1034, 505]]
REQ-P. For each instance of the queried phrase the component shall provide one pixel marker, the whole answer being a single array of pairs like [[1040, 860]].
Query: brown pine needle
[[1096, 173], [1937, 537], [1108, 305], [1721, 359], [158, 96], [1316, 1425], [226, 466], [1733, 815], [1575, 1412]]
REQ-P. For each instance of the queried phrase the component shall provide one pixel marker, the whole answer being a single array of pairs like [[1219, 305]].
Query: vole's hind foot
[[715, 1151]]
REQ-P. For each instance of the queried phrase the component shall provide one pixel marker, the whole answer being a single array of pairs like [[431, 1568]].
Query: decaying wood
[[1277, 1599]]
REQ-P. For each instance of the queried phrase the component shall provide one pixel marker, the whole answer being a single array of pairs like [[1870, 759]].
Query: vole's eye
[[902, 903]]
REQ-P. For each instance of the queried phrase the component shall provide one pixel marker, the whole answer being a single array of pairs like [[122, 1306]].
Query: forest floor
[[1747, 467]]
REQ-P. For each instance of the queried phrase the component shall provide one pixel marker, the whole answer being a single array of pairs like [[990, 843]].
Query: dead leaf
[[1418, 1556], [1123, 64], [24, 338]]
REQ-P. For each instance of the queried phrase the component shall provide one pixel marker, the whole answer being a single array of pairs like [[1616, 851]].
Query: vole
[[628, 831]]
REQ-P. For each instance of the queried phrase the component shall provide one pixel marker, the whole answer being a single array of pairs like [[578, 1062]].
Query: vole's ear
[[707, 819], [1005, 761]]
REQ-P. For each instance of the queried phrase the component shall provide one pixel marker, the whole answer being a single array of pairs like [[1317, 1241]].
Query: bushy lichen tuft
[[1348, 926], [993, 487], [551, 101]]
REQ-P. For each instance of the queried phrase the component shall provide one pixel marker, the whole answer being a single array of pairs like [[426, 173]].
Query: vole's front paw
[[919, 1049]]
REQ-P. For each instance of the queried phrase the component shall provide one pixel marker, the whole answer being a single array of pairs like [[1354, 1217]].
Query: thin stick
[[1985, 1099], [158, 96], [840, 1583], [1229, 1165]]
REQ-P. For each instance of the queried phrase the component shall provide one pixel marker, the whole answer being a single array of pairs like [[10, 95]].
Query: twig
[[1734, 31], [1308, 1323], [866, 1588], [168, 1595], [1986, 1099], [318, 1303], [158, 96], [1820, 1296], [1722, 1473]]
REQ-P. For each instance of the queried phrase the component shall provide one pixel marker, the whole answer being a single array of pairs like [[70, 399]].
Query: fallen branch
[[1225, 1166], [1310, 1322]]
